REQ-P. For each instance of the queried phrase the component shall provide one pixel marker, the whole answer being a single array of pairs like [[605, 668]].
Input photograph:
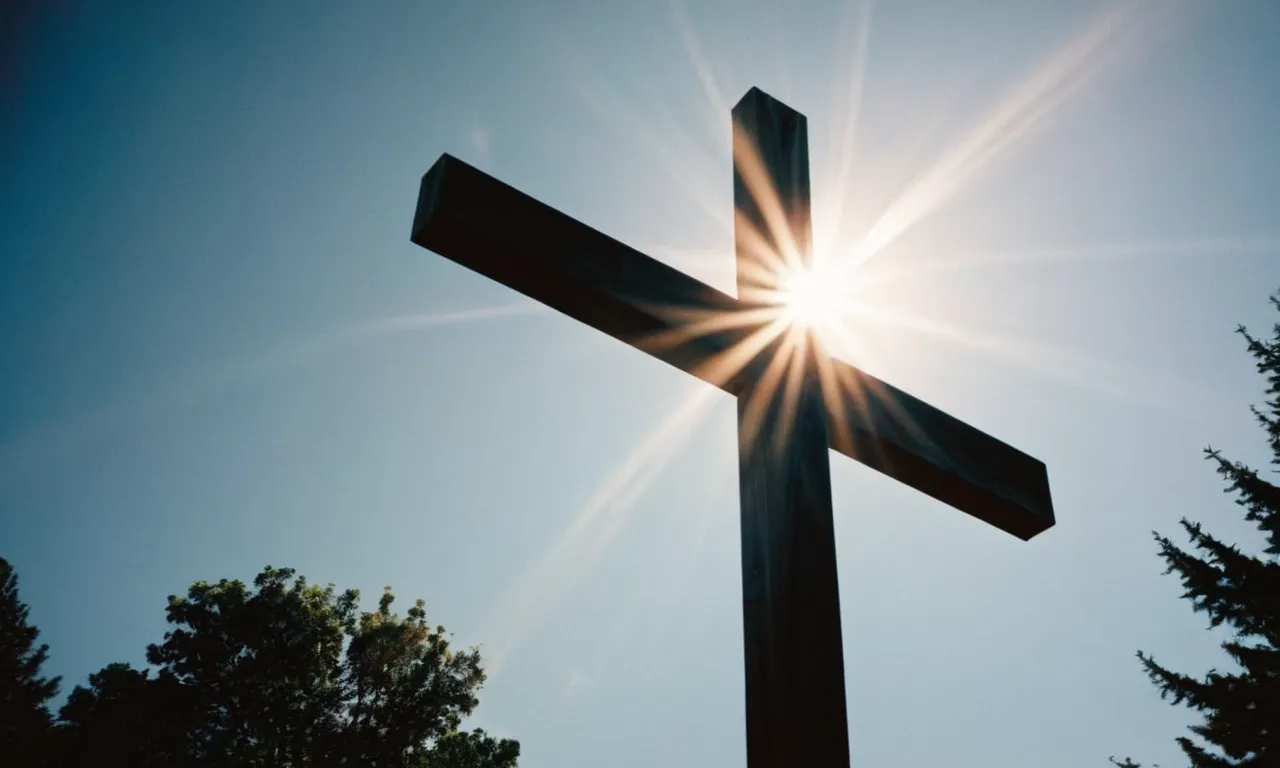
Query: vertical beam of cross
[[791, 605]]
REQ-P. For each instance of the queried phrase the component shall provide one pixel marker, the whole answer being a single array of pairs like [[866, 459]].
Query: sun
[[810, 298]]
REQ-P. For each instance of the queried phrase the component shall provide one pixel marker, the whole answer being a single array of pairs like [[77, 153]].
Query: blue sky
[[220, 350]]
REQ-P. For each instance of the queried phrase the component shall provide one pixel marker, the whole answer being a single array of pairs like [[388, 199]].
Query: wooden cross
[[794, 401]]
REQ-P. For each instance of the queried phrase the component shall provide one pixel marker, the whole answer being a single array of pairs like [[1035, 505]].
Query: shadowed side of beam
[[771, 191], [485, 225], [938, 454]]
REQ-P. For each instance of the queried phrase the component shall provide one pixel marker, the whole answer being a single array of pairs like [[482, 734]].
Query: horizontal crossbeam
[[492, 228]]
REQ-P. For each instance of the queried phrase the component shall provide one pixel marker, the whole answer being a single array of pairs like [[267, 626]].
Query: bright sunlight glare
[[811, 299]]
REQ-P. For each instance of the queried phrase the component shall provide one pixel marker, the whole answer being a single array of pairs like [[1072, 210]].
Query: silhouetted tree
[[285, 673], [127, 717], [1241, 591], [24, 716]]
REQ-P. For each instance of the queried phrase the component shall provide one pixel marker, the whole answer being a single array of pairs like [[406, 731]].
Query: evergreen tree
[[1241, 591], [24, 718]]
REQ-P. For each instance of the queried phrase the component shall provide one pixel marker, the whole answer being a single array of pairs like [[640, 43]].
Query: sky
[[219, 349]]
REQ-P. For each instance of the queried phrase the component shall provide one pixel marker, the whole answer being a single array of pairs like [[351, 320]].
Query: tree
[[24, 694], [465, 749], [127, 717], [1241, 591], [285, 673]]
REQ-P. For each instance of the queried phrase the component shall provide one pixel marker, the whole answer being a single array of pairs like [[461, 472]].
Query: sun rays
[[591, 530], [1072, 66], [802, 286], [803, 292], [36, 450]]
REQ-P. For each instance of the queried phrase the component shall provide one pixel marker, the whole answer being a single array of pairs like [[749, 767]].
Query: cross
[[794, 402]]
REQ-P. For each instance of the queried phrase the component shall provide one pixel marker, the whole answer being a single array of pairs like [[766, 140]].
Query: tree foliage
[[24, 694], [284, 673], [1240, 591]]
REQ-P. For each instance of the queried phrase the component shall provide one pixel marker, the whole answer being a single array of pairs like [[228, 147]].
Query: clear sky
[[219, 349]]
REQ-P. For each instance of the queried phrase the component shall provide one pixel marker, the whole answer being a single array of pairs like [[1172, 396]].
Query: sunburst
[[801, 294]]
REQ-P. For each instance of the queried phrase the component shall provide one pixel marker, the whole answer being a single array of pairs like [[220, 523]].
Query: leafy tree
[[1241, 591], [285, 673], [24, 716]]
